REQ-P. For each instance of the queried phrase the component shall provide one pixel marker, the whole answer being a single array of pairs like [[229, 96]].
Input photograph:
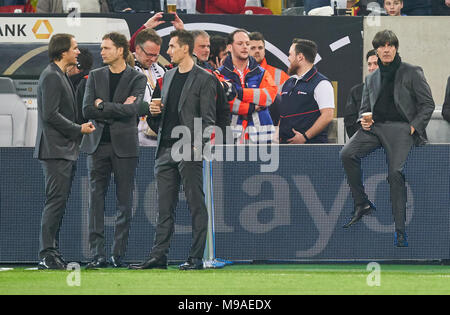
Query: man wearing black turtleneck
[[400, 100]]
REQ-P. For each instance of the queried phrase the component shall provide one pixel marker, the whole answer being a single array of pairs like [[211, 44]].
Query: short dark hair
[[306, 47], [218, 44], [59, 44], [85, 59], [184, 38], [256, 36], [385, 37], [371, 53], [146, 35], [120, 41], [231, 35], [197, 33]]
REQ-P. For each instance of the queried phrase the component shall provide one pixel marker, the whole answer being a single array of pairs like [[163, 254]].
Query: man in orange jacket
[[258, 51], [254, 92]]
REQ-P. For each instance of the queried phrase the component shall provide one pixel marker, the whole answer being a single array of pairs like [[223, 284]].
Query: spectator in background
[[13, 2], [255, 92], [258, 51], [136, 5], [82, 68], [441, 7], [148, 45], [218, 51], [60, 6], [307, 98], [202, 48], [220, 6], [446, 106], [353, 105], [417, 7], [393, 7], [314, 5]]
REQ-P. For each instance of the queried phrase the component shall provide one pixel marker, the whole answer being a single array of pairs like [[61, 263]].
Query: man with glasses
[[146, 45]]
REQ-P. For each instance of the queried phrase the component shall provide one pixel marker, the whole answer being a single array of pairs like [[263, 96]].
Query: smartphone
[[168, 17]]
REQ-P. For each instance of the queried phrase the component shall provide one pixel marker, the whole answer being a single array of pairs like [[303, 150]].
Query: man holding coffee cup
[[395, 110]]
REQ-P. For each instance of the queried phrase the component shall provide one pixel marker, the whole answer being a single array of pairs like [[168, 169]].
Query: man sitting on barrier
[[396, 108], [446, 106], [307, 98]]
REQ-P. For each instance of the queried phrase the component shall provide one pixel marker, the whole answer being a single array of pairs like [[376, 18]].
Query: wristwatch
[[305, 136], [100, 106]]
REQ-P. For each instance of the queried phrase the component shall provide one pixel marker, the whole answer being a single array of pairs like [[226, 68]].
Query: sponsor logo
[[38, 25]]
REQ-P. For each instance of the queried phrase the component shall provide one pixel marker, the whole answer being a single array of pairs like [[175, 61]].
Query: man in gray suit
[[113, 101], [399, 98], [57, 142], [188, 93]]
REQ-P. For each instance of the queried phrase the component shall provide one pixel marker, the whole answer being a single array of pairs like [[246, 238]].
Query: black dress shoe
[[151, 263], [192, 264], [97, 263], [360, 211], [116, 262], [51, 262]]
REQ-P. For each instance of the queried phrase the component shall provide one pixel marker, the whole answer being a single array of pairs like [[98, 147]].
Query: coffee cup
[[367, 117]]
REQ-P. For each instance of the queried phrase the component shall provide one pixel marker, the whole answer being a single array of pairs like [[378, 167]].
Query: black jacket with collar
[[412, 97]]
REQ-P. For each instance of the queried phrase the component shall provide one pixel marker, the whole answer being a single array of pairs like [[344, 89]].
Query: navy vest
[[299, 109]]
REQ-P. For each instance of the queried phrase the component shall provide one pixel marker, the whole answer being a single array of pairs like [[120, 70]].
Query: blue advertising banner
[[293, 213]]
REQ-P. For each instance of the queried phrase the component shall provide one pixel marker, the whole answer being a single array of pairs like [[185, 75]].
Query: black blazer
[[122, 118], [58, 132], [412, 97], [446, 106], [198, 100]]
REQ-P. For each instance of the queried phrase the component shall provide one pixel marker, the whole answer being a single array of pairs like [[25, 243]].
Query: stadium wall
[[294, 213]]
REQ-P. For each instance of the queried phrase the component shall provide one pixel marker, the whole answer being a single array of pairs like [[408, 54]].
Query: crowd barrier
[[293, 213]]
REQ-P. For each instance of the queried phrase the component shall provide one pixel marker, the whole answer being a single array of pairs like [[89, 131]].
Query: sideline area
[[274, 279]]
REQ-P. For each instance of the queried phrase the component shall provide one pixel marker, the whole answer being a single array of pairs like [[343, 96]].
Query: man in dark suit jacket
[[189, 100], [399, 98], [57, 143], [112, 101]]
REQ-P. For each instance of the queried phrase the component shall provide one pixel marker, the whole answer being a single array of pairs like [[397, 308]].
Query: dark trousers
[[101, 164], [169, 175], [396, 139], [59, 176]]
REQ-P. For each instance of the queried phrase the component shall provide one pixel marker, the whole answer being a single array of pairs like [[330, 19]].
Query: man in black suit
[[188, 94], [57, 142], [400, 100], [113, 101]]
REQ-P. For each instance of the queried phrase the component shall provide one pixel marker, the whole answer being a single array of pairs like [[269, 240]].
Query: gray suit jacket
[[412, 97], [121, 118], [58, 133], [198, 100]]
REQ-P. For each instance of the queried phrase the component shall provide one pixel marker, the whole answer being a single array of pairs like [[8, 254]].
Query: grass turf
[[234, 280]]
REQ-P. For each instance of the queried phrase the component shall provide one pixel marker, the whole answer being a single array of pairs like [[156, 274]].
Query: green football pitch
[[243, 279]]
